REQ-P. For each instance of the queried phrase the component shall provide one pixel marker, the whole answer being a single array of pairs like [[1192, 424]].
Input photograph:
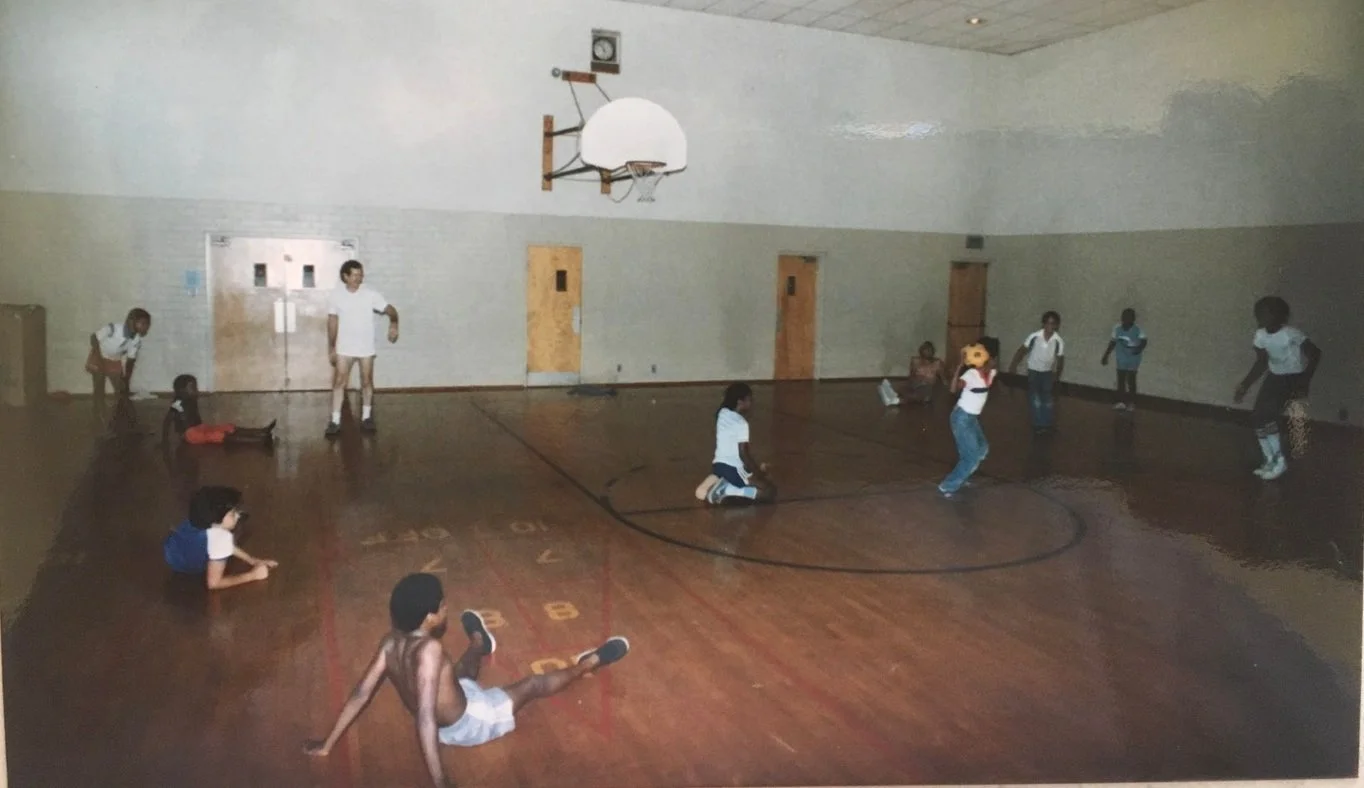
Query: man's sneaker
[[473, 624], [610, 652]]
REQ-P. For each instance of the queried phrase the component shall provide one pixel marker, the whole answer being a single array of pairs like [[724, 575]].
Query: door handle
[[291, 316], [577, 320], [279, 316]]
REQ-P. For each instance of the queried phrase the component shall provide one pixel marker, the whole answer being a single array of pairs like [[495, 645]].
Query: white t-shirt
[[355, 319], [117, 343], [975, 392], [1284, 348], [731, 429], [1042, 353], [221, 545]]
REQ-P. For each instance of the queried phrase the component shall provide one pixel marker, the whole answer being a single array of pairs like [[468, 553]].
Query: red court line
[[557, 700], [872, 738], [326, 602], [605, 676]]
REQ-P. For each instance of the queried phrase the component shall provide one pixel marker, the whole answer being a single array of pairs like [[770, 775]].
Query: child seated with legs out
[[730, 474], [924, 371], [203, 543], [184, 416], [974, 384]]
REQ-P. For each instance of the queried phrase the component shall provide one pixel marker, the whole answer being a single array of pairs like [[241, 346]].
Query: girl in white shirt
[[974, 384], [1291, 360], [731, 474]]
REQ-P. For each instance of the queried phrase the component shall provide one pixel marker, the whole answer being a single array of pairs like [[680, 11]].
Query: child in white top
[[113, 356], [1046, 352], [974, 384], [731, 471], [1291, 360]]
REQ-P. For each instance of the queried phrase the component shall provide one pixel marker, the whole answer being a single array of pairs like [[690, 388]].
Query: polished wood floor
[[1119, 601]]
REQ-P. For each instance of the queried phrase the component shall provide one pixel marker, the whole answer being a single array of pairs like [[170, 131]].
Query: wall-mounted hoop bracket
[[548, 174]]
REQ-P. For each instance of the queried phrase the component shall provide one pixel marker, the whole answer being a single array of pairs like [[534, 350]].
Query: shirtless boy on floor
[[443, 696]]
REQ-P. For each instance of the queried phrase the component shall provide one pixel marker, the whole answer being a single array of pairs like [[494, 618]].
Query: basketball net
[[646, 175]]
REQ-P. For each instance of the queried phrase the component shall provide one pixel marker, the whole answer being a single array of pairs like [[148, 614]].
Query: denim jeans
[[972, 449], [1040, 403]]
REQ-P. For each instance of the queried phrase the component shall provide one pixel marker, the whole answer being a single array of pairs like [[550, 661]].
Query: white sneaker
[[1278, 468], [1119, 406]]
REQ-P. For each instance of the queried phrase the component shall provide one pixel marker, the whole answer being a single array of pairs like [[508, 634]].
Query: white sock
[[336, 417], [364, 411], [1272, 443]]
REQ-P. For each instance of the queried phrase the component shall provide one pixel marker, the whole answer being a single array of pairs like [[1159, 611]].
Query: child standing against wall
[[1129, 341], [1291, 360]]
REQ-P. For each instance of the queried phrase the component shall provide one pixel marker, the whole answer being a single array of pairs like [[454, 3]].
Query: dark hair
[[210, 505], [1048, 315], [348, 266], [991, 346], [733, 393], [928, 345], [181, 385], [138, 313], [1275, 306], [414, 598]]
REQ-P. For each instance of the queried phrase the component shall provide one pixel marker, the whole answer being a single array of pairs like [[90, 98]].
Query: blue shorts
[[730, 474]]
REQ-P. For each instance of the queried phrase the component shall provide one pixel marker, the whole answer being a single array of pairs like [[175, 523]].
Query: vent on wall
[[975, 242]]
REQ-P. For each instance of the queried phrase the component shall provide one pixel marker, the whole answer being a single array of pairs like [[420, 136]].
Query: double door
[[270, 311]]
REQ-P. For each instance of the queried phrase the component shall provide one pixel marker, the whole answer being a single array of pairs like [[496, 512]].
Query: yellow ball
[[975, 355]]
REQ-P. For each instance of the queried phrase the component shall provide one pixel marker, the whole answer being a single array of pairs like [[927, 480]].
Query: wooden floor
[[1121, 601]]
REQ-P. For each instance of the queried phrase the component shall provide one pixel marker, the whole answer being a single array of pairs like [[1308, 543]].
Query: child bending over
[[204, 541], [184, 417], [730, 472]]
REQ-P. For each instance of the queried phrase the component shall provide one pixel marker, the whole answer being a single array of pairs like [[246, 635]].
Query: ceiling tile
[[912, 10], [801, 16]]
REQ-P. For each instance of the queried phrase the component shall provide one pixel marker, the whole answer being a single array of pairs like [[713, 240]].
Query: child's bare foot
[[477, 631]]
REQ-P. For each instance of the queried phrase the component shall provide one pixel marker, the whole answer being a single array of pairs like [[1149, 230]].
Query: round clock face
[[604, 49]]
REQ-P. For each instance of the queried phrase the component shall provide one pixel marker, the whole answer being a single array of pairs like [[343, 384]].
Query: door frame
[[820, 258], [209, 375], [554, 379]]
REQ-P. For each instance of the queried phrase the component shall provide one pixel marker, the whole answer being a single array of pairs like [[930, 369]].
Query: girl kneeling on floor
[[730, 475]]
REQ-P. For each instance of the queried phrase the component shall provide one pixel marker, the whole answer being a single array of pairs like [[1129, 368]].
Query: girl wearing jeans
[[974, 385]]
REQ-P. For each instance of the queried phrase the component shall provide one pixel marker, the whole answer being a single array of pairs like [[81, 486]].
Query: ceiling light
[[975, 20]]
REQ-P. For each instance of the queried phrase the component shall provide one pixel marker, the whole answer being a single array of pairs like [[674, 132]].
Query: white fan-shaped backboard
[[633, 129]]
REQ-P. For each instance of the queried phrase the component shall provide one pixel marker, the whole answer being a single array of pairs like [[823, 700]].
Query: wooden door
[[249, 340], [312, 270], [795, 354], [965, 307], [554, 291]]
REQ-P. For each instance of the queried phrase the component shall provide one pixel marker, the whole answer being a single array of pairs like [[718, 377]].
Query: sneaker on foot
[[474, 625], [704, 489], [717, 492], [1278, 468], [368, 425], [333, 429], [612, 651]]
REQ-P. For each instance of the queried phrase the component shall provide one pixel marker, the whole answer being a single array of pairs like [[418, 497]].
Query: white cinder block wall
[[131, 129], [1186, 165]]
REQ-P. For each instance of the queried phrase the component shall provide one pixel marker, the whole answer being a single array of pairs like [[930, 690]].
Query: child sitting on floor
[[925, 369], [203, 543], [184, 415]]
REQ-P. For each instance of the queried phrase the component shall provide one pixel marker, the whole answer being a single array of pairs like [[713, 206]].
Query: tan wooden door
[[795, 352], [312, 270], [965, 307], [554, 292], [250, 345]]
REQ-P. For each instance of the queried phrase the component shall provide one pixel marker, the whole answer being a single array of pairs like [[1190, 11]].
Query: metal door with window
[[270, 311]]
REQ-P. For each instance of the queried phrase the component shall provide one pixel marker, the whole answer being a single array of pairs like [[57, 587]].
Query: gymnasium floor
[[1121, 601]]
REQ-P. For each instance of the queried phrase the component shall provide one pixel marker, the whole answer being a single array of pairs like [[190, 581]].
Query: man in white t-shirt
[[350, 337], [1046, 353]]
